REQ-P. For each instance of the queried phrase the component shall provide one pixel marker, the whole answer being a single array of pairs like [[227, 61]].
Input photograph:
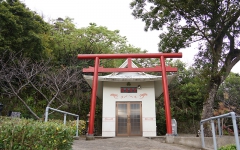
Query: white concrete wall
[[112, 94]]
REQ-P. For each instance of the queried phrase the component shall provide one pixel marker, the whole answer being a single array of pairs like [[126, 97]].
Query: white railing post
[[77, 125], [235, 129], [65, 118], [219, 128], [213, 134], [46, 114], [233, 116], [202, 135]]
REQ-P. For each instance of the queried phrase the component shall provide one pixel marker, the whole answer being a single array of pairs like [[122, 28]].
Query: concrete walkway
[[127, 143]]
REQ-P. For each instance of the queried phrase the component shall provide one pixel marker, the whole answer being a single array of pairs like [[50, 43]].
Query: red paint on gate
[[162, 68]]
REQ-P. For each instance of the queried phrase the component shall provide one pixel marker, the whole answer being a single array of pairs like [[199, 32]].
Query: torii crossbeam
[[162, 68]]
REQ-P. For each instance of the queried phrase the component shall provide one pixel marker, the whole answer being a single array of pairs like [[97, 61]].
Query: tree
[[228, 94], [68, 41], [31, 82], [21, 29], [213, 23], [55, 81], [16, 75], [186, 94]]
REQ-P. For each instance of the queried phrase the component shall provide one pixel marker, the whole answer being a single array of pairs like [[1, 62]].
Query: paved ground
[[126, 143]]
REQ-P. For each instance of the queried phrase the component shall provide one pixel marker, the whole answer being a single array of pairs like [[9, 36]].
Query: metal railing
[[233, 116], [65, 116]]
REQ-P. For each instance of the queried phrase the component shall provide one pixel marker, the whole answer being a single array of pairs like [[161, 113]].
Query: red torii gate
[[162, 68]]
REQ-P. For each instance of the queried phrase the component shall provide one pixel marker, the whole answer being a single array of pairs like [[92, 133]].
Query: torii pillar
[[162, 68]]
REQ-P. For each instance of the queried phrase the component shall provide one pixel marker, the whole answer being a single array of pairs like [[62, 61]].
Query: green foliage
[[228, 147], [186, 93], [21, 29], [81, 126], [187, 21], [228, 94], [214, 25], [73, 125], [23, 134], [160, 119], [67, 41], [56, 81]]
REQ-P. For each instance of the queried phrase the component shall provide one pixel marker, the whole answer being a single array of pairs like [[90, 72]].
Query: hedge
[[27, 134], [228, 147]]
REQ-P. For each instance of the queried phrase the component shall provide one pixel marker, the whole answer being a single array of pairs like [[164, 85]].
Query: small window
[[128, 89]]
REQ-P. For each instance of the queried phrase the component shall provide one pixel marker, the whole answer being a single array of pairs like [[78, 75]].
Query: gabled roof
[[125, 64], [128, 77]]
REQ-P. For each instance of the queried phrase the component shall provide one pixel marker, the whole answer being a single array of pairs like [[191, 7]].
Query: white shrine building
[[128, 102]]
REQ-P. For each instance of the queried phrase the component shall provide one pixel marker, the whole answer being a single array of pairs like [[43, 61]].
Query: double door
[[129, 118]]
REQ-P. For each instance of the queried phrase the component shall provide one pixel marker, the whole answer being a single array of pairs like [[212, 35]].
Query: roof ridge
[[125, 64]]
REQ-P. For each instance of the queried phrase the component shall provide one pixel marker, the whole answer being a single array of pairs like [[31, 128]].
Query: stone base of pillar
[[90, 137], [76, 137]]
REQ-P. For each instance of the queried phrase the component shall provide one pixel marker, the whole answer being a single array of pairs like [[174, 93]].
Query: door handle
[[128, 118]]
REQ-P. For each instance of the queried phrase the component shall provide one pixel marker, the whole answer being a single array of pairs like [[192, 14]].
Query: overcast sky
[[114, 14]]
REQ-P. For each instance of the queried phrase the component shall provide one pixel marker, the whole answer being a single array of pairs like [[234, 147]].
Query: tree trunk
[[208, 109]]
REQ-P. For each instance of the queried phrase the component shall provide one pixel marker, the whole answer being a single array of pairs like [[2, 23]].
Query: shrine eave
[[119, 78]]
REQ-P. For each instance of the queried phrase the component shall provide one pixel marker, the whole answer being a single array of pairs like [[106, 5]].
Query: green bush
[[81, 126], [228, 147], [27, 134], [73, 124]]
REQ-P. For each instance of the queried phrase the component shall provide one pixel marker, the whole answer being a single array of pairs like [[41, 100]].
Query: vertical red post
[[129, 62], [166, 97], [93, 97]]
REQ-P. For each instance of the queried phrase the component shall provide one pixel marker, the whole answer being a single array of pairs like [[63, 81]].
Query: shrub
[[228, 147], [27, 134], [81, 126], [73, 124]]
